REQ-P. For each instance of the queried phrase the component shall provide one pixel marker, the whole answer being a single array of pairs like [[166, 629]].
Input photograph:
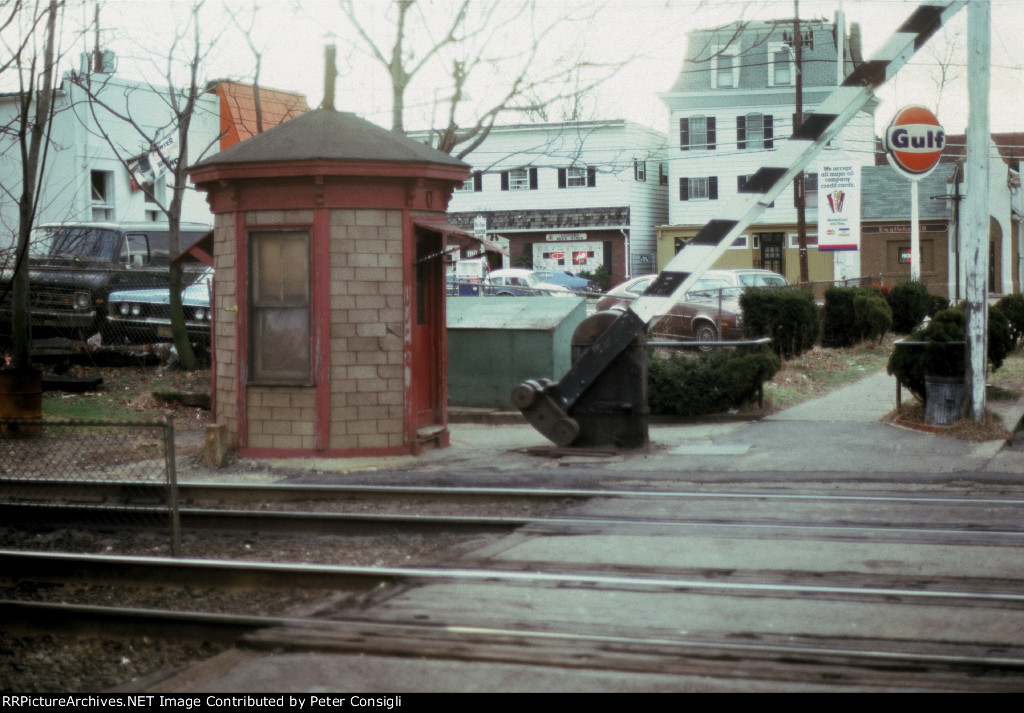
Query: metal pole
[[976, 236], [915, 233], [172, 485]]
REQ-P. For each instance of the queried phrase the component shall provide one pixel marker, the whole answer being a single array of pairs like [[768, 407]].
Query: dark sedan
[[708, 312]]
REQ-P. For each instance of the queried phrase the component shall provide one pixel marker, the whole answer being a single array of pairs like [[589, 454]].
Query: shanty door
[[428, 327]]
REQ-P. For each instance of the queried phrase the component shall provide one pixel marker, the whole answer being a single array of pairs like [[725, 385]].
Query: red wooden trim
[[321, 317], [408, 295], [242, 330], [325, 167], [213, 347]]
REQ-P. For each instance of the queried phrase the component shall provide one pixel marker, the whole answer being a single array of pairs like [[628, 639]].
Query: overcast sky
[[291, 35]]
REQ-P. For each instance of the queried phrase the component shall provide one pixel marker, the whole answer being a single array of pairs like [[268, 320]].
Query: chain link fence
[[91, 307], [88, 475]]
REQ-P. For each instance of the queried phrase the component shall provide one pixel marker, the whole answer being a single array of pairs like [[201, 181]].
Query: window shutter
[[740, 182], [504, 180], [561, 178], [591, 176], [533, 179], [684, 189], [713, 188], [769, 131], [711, 132], [478, 181], [684, 134], [741, 132]]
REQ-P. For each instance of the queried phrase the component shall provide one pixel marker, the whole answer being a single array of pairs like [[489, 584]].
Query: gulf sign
[[914, 141]]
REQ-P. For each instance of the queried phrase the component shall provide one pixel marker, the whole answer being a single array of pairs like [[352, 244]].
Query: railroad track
[[865, 590], [271, 509], [840, 661]]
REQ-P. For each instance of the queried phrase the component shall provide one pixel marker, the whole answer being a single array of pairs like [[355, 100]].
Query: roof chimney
[[330, 76]]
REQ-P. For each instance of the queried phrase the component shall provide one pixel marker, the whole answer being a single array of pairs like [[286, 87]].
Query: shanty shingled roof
[[885, 194], [328, 135], [238, 110]]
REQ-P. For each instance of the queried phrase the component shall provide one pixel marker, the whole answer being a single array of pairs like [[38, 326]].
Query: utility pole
[[798, 119], [976, 234]]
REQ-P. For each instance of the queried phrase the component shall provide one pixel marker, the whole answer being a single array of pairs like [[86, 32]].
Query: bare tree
[[513, 55], [34, 58], [166, 145]]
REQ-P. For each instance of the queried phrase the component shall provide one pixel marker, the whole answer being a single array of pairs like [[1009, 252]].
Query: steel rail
[[301, 523], [284, 491], [984, 669], [61, 567]]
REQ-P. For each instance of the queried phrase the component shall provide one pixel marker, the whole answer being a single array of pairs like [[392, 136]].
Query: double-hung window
[[698, 189], [101, 185], [724, 71], [781, 70], [577, 177], [279, 307], [697, 133], [755, 131], [519, 179]]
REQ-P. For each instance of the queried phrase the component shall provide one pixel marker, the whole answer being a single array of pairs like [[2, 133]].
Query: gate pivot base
[[538, 404]]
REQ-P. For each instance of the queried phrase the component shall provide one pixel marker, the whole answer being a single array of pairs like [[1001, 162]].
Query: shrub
[[872, 316], [909, 303], [911, 364], [601, 276], [839, 323], [936, 303], [1012, 307], [789, 317], [712, 382]]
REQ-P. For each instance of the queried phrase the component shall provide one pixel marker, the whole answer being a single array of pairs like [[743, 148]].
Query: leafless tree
[[257, 54], [514, 55], [34, 58], [167, 145]]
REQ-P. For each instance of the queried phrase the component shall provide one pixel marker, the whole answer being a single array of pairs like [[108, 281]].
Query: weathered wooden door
[[428, 329]]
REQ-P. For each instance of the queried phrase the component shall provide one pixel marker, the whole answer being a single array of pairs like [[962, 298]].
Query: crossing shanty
[[548, 406]]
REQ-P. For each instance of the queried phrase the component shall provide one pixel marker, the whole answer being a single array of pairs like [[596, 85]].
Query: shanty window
[[279, 313]]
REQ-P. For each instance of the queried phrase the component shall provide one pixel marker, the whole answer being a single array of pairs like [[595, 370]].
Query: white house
[[84, 179], [732, 103], [574, 196]]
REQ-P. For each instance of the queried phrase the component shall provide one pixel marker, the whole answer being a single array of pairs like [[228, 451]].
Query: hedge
[[909, 303], [911, 364], [711, 382], [789, 317]]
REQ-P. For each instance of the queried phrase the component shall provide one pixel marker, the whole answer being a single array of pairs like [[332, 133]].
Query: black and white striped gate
[[548, 405]]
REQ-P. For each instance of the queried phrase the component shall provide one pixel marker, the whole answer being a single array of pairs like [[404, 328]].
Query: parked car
[[569, 280], [145, 315], [518, 282], [708, 312], [749, 277], [73, 267]]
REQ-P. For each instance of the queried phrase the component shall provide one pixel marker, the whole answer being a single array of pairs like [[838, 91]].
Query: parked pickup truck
[[73, 267]]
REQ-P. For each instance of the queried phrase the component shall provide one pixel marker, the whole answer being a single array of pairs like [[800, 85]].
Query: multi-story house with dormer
[[732, 104]]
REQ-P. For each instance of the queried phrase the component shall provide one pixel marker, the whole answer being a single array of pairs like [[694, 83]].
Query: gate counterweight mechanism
[[549, 406]]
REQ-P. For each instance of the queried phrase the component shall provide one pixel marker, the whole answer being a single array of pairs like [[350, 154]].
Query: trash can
[[945, 400]]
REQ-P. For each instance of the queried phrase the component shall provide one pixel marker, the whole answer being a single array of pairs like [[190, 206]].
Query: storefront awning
[[457, 236]]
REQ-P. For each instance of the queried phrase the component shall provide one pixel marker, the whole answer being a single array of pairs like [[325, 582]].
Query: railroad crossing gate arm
[[546, 404]]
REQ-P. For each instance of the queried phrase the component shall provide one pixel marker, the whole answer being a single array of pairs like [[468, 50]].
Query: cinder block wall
[[367, 329], [366, 320], [226, 325]]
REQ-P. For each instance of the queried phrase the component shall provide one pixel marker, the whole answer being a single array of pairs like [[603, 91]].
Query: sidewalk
[[837, 436]]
